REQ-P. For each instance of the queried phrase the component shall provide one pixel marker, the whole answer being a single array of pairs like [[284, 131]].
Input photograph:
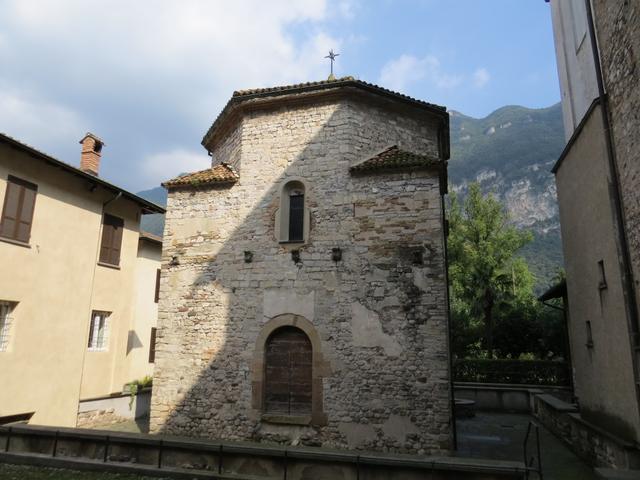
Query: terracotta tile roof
[[221, 174], [393, 158], [241, 96]]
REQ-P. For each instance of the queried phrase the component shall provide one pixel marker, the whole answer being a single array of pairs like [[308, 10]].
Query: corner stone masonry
[[376, 318]]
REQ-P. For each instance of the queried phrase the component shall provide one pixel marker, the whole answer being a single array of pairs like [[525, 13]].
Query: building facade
[[72, 297], [303, 293], [598, 179]]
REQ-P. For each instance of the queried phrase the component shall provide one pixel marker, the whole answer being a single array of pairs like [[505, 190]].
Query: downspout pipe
[[627, 278], [93, 279]]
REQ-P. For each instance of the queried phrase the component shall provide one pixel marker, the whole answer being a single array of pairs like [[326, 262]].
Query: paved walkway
[[500, 436]]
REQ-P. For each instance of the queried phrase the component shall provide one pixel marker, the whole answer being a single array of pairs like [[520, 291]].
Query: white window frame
[[6, 323], [99, 331]]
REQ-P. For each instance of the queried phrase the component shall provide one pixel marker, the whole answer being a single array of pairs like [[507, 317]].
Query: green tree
[[484, 271]]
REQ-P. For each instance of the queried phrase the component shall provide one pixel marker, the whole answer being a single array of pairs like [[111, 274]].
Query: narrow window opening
[[602, 284], [296, 216], [152, 345], [99, 331], [6, 309], [156, 297], [589, 334]]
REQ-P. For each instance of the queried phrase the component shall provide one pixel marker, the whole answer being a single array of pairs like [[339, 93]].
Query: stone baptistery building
[[303, 297]]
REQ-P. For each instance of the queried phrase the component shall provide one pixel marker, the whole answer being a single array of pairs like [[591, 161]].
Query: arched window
[[288, 372], [293, 221]]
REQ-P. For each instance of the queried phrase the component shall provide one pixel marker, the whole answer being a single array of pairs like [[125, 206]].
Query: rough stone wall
[[380, 312], [618, 32], [228, 149]]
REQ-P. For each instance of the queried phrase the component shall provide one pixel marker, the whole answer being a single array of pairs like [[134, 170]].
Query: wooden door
[[288, 368]]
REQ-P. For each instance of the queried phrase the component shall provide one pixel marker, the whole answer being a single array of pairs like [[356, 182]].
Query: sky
[[149, 77]]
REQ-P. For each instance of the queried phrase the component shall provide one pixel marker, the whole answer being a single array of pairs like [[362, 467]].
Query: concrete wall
[[604, 382], [574, 58], [378, 322], [146, 310], [57, 283]]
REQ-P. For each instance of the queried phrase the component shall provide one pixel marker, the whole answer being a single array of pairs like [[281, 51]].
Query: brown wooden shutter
[[17, 213], [288, 370], [157, 295], [152, 345], [111, 239]]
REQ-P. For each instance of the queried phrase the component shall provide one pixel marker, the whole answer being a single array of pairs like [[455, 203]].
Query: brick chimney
[[91, 153]]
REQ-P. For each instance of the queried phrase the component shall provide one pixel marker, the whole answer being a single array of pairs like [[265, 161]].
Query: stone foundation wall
[[99, 418], [592, 444], [380, 313]]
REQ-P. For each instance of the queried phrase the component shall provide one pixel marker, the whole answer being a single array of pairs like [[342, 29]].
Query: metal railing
[[532, 459]]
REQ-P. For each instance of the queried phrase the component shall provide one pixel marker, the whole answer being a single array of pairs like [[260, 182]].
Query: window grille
[[99, 332], [5, 324]]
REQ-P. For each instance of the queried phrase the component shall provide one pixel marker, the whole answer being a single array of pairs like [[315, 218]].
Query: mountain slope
[[510, 153]]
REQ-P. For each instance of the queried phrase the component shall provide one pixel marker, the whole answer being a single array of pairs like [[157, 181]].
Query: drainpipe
[[445, 234], [627, 272], [93, 278]]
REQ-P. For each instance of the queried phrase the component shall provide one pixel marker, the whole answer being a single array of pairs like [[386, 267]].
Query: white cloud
[[36, 120], [162, 166], [157, 70], [480, 77], [405, 70]]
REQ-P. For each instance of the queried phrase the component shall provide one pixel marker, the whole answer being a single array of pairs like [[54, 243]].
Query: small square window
[[99, 331], [6, 320]]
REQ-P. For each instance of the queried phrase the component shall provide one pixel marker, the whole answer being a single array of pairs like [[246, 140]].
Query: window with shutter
[[17, 212], [288, 372], [157, 294], [296, 217], [152, 345], [112, 228]]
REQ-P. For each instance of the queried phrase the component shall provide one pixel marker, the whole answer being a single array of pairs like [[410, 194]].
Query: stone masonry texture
[[380, 312], [618, 31]]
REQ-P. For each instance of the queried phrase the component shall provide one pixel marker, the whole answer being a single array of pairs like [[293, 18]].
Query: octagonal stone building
[[303, 295]]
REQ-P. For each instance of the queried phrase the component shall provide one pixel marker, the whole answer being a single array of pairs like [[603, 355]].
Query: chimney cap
[[95, 137]]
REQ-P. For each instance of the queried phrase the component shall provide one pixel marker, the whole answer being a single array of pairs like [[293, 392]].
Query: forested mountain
[[510, 153]]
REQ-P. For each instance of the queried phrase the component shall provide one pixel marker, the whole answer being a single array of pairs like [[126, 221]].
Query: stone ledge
[[556, 403]]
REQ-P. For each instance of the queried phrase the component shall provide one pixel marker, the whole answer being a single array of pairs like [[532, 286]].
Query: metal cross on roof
[[332, 56]]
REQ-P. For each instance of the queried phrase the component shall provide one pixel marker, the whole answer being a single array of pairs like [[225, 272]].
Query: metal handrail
[[536, 458]]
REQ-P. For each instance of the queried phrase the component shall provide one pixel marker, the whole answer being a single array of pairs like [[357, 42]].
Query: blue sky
[[150, 77]]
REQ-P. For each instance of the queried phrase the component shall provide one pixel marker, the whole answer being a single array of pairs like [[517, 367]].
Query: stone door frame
[[320, 369]]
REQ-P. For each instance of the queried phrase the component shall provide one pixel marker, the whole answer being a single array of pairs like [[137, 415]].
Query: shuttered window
[[152, 345], [288, 372], [156, 298], [296, 218], [17, 212], [111, 239]]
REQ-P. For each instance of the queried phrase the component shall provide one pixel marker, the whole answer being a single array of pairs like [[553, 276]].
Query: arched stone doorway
[[288, 367]]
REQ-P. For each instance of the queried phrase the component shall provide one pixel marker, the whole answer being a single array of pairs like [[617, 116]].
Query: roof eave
[[147, 206], [236, 101]]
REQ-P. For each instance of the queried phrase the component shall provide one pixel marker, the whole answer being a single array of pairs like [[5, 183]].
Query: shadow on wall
[[381, 380]]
